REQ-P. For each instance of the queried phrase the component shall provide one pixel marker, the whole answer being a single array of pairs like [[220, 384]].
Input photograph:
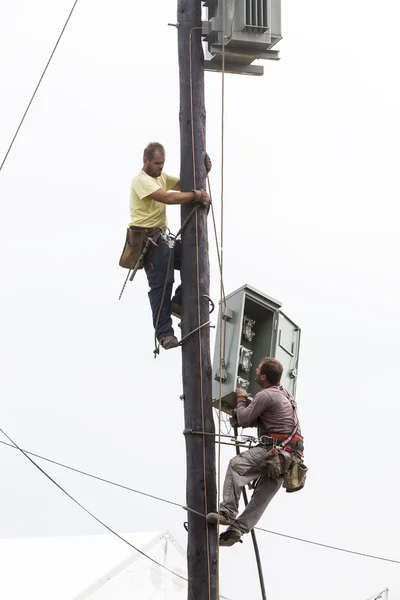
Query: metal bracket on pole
[[194, 331]]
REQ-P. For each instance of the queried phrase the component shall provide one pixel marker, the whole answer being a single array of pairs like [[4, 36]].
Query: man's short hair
[[272, 369], [151, 149]]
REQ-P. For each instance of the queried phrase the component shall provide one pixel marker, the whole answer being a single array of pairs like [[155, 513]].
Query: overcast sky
[[311, 218]]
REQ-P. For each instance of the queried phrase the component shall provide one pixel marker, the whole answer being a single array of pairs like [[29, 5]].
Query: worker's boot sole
[[169, 342], [223, 519], [229, 538]]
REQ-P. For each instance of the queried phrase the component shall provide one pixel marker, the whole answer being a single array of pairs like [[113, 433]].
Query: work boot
[[224, 519], [176, 310], [230, 537], [169, 342]]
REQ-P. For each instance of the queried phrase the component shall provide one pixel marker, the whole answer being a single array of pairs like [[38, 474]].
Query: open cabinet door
[[287, 350]]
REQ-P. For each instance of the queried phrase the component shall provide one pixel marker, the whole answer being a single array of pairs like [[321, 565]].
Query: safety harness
[[285, 454]]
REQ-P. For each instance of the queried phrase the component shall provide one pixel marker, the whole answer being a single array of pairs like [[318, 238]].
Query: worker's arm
[[180, 197], [173, 183], [247, 416]]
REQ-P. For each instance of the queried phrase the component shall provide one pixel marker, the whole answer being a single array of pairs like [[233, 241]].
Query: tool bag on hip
[[278, 463], [273, 465], [135, 242], [284, 463], [295, 473]]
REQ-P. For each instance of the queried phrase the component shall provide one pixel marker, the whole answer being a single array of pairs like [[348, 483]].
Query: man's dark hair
[[272, 369], [151, 149]]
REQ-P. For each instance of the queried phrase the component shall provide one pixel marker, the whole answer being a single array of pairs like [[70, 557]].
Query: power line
[[14, 445], [305, 541], [166, 501], [120, 485], [38, 84]]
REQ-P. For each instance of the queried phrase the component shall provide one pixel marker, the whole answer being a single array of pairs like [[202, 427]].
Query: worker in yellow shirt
[[151, 191]]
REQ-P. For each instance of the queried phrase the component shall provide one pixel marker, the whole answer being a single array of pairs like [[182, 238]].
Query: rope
[[221, 267], [172, 503], [38, 85], [156, 344], [199, 315], [222, 322]]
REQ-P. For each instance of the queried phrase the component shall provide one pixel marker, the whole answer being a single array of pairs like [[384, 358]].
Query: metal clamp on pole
[[188, 432]]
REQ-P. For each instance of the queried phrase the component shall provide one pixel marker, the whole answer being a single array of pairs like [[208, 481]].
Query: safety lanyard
[[296, 427]]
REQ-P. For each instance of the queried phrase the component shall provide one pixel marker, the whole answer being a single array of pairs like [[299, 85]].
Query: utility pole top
[[243, 31]]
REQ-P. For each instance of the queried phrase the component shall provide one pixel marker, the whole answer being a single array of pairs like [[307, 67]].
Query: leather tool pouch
[[295, 474], [293, 470], [273, 465], [135, 242]]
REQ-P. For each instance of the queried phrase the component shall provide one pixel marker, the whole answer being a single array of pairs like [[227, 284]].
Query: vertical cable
[[221, 262], [38, 85]]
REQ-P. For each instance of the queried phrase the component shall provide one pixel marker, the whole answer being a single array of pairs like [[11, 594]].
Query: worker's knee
[[248, 461]]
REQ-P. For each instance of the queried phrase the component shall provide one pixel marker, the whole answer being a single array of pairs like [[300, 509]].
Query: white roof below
[[97, 567]]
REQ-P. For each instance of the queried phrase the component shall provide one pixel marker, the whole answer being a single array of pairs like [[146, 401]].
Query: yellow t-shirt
[[146, 212]]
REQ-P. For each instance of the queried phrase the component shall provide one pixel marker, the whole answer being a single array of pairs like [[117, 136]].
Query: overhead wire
[[38, 84], [177, 504], [88, 511], [102, 523], [222, 298]]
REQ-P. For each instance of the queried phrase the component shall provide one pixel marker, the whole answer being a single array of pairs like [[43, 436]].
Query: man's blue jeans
[[156, 267]]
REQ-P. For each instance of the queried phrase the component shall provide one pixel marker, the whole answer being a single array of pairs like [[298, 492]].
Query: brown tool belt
[[296, 445], [136, 238]]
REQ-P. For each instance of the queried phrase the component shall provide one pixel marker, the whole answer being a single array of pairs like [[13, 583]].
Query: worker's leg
[[177, 297], [157, 271], [262, 496], [241, 470]]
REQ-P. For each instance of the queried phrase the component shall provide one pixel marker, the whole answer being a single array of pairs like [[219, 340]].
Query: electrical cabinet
[[253, 327], [252, 28]]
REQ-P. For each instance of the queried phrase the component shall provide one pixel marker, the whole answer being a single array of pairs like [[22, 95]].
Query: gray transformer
[[252, 28], [253, 327]]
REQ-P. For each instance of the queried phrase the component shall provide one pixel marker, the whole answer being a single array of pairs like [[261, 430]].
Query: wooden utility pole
[[195, 274]]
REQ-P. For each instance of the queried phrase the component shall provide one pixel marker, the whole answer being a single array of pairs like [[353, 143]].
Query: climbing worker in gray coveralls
[[151, 191], [273, 411]]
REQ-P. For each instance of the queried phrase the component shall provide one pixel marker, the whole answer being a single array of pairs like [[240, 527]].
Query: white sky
[[311, 192]]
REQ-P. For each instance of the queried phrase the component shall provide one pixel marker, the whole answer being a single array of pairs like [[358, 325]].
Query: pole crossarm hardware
[[194, 331], [177, 504]]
